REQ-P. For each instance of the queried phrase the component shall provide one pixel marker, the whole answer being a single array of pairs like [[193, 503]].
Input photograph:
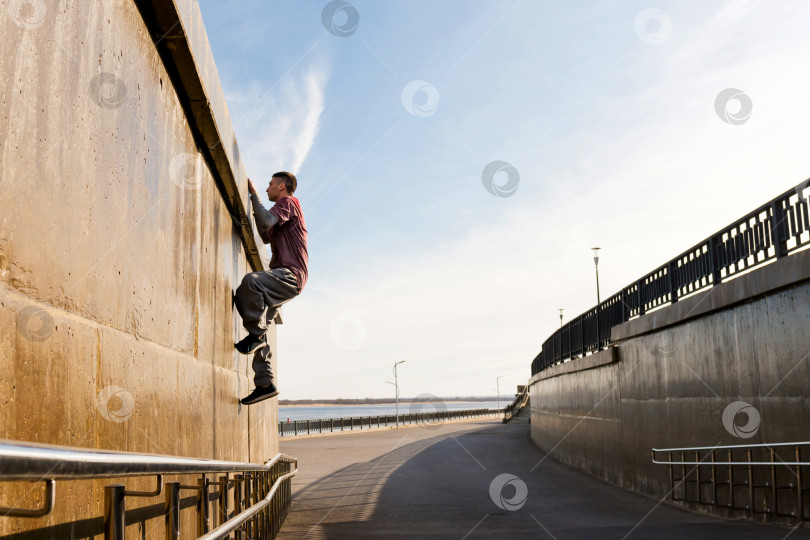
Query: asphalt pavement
[[477, 479]]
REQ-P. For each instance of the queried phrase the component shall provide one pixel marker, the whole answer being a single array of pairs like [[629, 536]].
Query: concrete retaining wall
[[666, 384], [118, 252]]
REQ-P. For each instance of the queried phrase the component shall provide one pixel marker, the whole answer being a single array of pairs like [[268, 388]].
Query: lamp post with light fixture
[[598, 297], [396, 389]]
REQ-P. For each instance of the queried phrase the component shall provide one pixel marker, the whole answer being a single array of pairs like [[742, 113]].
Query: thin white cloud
[[277, 127]]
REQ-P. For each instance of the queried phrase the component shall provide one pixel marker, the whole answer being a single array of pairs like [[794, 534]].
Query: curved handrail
[[235, 522]]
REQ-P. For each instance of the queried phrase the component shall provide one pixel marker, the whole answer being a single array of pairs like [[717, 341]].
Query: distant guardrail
[[330, 425], [775, 230]]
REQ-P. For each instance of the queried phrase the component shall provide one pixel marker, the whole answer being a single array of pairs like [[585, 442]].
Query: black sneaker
[[251, 344], [260, 394]]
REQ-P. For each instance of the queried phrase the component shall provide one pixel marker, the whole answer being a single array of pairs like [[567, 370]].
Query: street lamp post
[[396, 386], [598, 298], [498, 389], [596, 263], [561, 317]]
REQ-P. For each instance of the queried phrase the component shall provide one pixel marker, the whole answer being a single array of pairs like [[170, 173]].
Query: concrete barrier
[[123, 231], [671, 374]]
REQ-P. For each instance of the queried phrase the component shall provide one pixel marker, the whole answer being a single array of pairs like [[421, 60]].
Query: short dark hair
[[289, 180]]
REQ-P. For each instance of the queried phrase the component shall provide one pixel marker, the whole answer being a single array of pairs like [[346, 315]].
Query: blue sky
[[606, 111]]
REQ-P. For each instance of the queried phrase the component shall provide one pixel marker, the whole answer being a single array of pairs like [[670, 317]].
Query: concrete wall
[[672, 373], [118, 254]]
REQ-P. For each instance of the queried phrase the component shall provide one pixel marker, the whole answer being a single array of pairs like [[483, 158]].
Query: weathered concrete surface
[[435, 483], [670, 386], [118, 257]]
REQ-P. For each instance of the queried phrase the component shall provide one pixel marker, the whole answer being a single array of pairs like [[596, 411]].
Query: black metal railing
[[776, 229], [760, 479], [330, 425], [254, 501]]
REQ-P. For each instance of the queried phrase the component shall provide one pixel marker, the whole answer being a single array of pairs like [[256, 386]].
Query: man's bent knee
[[249, 278]]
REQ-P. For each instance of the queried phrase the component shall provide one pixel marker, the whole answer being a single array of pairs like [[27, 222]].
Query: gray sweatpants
[[257, 301]]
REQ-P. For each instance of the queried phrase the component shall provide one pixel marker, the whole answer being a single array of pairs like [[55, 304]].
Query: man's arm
[[265, 220]]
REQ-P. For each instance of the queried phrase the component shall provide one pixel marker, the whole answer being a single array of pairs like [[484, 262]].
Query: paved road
[[434, 482]]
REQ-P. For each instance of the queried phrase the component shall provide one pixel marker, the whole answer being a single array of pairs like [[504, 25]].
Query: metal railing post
[[237, 498], [202, 506], [799, 491], [114, 510], [247, 502], [640, 285], [268, 482], [673, 284], [223, 499], [717, 277], [172, 510], [256, 492], [778, 229]]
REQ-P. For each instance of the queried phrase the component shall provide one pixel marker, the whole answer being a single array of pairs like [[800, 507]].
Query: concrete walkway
[[435, 482]]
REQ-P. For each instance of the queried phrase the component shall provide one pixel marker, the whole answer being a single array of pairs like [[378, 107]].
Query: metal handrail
[[47, 463], [773, 231], [759, 482], [730, 447], [766, 445], [34, 461]]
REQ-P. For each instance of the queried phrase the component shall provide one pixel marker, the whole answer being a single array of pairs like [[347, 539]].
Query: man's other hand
[[251, 187]]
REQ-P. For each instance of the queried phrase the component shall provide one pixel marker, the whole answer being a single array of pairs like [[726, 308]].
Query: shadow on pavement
[[440, 487]]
